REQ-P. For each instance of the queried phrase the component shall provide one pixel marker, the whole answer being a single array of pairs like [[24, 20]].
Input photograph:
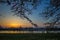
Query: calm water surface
[[29, 31]]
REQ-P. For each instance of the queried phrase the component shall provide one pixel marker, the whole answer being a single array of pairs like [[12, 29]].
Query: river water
[[29, 31]]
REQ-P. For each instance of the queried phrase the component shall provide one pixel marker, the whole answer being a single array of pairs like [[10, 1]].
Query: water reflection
[[29, 31], [14, 32]]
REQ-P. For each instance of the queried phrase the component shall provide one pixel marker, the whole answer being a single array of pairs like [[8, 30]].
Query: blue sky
[[35, 17]]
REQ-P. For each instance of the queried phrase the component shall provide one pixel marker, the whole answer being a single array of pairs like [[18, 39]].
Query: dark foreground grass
[[30, 36]]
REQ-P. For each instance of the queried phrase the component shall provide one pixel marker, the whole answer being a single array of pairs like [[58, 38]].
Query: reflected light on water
[[22, 32], [14, 32]]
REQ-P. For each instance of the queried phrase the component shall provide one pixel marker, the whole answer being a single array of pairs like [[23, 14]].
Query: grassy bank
[[30, 36]]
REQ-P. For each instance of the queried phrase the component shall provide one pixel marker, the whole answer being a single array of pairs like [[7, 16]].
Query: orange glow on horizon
[[14, 25], [16, 22], [13, 22]]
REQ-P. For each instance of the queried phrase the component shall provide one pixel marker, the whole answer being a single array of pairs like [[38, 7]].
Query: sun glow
[[14, 25]]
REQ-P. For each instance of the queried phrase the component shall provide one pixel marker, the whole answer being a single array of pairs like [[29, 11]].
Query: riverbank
[[30, 36]]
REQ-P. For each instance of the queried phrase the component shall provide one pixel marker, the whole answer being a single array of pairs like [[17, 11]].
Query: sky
[[8, 20]]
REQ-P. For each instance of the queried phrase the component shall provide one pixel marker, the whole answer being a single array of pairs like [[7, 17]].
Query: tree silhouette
[[52, 12], [23, 7]]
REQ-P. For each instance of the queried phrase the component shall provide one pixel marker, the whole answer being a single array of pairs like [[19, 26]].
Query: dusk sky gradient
[[8, 20]]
